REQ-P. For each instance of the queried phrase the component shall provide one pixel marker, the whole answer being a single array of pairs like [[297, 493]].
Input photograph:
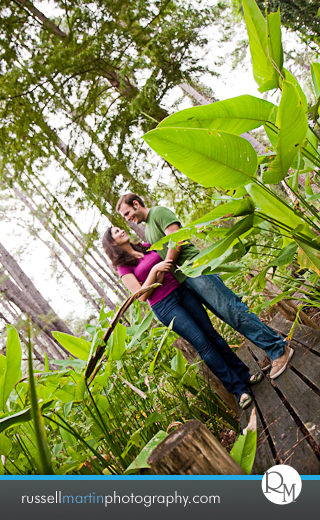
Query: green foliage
[[140, 462], [77, 347], [292, 124], [244, 450], [211, 158], [39, 430], [11, 372], [195, 141], [236, 115], [101, 72], [264, 46], [104, 426]]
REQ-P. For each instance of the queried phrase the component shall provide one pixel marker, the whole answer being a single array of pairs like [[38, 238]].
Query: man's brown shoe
[[265, 364], [279, 365]]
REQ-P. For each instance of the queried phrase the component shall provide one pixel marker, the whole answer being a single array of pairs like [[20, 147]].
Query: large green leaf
[[118, 344], [244, 450], [3, 364], [5, 445], [293, 125], [315, 73], [77, 347], [212, 256], [275, 50], [290, 77], [144, 325], [211, 158], [273, 207], [236, 115], [38, 423], [17, 418], [140, 461], [235, 208], [308, 258], [263, 71], [12, 372]]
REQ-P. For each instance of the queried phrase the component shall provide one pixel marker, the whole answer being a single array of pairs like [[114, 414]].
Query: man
[[210, 289]]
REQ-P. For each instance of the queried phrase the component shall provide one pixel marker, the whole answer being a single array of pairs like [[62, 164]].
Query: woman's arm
[[133, 284]]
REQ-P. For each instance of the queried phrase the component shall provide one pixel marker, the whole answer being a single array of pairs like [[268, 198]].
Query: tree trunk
[[72, 256], [192, 450], [30, 290], [21, 299]]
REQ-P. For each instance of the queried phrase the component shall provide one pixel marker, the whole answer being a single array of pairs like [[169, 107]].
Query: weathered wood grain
[[303, 400], [192, 450], [305, 335], [289, 442]]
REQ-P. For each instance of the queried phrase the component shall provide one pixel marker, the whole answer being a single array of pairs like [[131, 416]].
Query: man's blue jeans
[[192, 323], [225, 304]]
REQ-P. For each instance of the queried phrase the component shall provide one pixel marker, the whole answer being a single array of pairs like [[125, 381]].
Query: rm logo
[[281, 484]]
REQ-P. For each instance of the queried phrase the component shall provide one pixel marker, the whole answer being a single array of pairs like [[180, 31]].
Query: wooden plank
[[307, 363], [304, 401], [289, 442], [264, 458], [305, 335]]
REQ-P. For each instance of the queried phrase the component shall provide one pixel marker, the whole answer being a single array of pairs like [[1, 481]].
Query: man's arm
[[172, 254]]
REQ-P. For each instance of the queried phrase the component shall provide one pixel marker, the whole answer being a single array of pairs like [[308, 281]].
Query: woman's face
[[119, 236]]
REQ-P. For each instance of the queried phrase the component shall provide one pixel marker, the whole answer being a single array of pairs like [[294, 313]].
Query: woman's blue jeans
[[192, 323], [225, 304]]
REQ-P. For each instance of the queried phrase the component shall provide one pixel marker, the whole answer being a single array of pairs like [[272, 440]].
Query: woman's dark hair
[[117, 256]]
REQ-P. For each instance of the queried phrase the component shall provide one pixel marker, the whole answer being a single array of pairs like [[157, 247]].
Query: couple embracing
[[184, 298]]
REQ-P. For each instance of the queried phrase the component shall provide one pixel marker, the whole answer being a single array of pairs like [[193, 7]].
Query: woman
[[140, 268]]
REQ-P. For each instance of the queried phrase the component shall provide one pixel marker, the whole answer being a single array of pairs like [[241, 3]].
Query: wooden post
[[192, 450]]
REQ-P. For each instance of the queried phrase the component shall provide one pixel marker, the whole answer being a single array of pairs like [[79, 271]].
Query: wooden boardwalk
[[288, 409]]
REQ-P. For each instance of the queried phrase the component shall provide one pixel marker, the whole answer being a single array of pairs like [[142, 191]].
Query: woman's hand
[[163, 267], [160, 276]]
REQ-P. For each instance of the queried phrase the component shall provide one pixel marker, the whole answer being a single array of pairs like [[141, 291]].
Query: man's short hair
[[128, 198]]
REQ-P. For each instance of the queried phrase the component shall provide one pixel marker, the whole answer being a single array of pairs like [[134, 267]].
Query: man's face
[[132, 214]]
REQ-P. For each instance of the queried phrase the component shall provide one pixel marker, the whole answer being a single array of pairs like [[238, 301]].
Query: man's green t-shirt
[[159, 218]]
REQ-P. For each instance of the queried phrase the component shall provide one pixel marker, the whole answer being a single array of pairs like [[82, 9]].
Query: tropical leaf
[[274, 40], [290, 77], [3, 364], [235, 208], [5, 445], [293, 125], [77, 347], [308, 258], [162, 344], [140, 461], [244, 449], [38, 423], [212, 256], [118, 344], [263, 71], [178, 363], [211, 158], [144, 325], [12, 371], [315, 73], [273, 207], [20, 417], [236, 115]]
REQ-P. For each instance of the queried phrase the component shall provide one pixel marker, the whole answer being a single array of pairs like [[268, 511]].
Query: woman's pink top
[[142, 270]]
